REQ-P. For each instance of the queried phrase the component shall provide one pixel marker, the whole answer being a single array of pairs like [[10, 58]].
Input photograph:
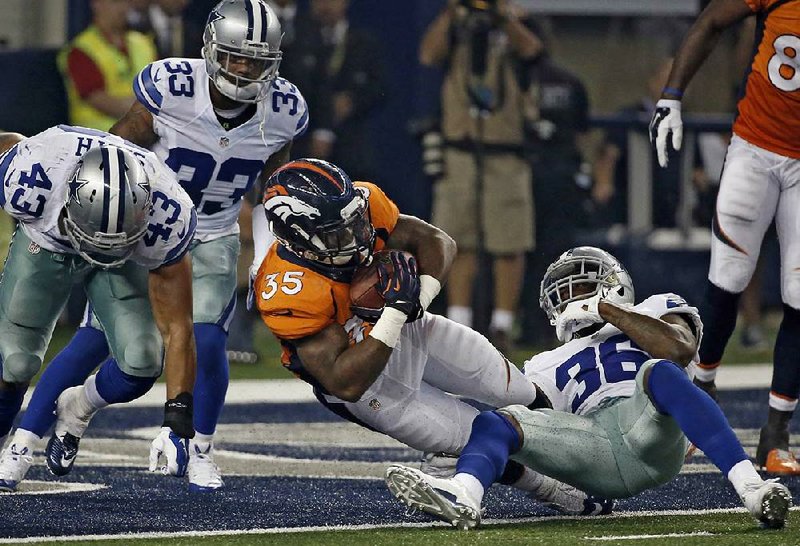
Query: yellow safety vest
[[118, 71]]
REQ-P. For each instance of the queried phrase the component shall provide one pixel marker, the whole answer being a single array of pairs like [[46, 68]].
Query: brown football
[[364, 293]]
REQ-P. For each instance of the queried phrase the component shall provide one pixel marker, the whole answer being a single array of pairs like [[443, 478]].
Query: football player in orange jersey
[[392, 376], [758, 184]]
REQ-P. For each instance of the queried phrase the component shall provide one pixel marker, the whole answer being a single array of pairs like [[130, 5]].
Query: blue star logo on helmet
[[214, 16], [75, 186]]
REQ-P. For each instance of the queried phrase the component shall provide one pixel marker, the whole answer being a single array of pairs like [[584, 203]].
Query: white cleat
[[768, 501], [14, 464], [570, 500], [204, 474], [445, 499]]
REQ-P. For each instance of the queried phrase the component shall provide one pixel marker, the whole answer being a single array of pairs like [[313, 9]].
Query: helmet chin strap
[[245, 93]]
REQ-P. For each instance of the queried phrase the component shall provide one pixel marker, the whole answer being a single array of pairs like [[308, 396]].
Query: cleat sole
[[417, 494]]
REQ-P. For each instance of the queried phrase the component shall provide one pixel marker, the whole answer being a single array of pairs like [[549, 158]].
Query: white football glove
[[666, 121], [174, 449], [576, 316], [251, 293]]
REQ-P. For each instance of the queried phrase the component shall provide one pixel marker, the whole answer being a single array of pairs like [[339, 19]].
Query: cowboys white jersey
[[216, 167], [579, 375], [36, 173]]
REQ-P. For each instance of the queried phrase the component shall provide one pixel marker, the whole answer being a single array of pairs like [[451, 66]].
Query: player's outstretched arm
[[170, 289], [670, 337], [136, 126], [701, 40]]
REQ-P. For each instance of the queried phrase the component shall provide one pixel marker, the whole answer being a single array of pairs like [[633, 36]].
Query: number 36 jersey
[[36, 172], [579, 375], [215, 166]]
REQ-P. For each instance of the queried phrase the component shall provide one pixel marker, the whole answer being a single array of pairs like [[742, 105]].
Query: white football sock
[[502, 320], [460, 314], [25, 438], [741, 474], [472, 484]]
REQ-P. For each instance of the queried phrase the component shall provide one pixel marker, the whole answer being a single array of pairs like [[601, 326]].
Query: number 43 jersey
[[579, 375], [36, 176], [215, 166]]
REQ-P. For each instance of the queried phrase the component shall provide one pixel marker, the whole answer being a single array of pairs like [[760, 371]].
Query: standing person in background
[[99, 66], [481, 44], [161, 20], [758, 184], [351, 85], [556, 125]]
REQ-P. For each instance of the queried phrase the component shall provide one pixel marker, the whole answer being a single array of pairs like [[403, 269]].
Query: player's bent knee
[[20, 367], [141, 359]]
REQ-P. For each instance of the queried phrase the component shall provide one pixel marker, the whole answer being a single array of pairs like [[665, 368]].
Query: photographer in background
[[484, 199]]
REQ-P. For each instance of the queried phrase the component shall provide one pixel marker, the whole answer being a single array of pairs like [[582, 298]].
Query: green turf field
[[719, 529]]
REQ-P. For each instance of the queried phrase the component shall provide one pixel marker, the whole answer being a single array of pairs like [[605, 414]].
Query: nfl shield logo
[[224, 141], [34, 248]]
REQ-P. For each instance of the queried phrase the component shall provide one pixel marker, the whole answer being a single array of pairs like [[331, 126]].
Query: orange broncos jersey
[[296, 301], [769, 113]]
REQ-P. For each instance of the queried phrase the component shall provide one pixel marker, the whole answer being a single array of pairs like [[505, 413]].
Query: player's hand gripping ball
[[391, 274]]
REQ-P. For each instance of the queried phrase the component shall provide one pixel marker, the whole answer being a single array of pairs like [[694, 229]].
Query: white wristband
[[387, 329], [262, 236], [429, 287]]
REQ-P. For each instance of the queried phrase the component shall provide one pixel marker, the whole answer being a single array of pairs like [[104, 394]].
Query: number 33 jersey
[[579, 375], [215, 166], [36, 185]]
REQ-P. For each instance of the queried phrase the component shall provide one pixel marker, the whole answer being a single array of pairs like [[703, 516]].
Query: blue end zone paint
[[137, 501]]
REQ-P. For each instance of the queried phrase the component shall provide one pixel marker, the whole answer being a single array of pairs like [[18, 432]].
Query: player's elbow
[[350, 393]]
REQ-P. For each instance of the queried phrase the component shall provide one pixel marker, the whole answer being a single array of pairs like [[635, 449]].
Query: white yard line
[[322, 528], [251, 391], [644, 537]]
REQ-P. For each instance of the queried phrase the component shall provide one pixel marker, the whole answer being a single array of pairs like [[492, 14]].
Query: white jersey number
[[290, 284], [784, 66], [615, 360]]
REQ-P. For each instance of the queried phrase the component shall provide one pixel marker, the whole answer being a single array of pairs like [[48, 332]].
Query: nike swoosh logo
[[156, 77], [284, 313], [66, 460]]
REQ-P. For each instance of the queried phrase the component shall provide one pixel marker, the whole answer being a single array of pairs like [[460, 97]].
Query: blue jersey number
[[31, 202], [156, 231], [181, 83], [196, 171], [617, 359], [282, 99]]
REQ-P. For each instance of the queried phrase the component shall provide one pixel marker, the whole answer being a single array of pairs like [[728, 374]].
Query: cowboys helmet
[[241, 47], [316, 212], [107, 206], [581, 273]]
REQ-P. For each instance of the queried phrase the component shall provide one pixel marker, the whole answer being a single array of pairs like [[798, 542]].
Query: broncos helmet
[[107, 206], [242, 31], [316, 212], [583, 265]]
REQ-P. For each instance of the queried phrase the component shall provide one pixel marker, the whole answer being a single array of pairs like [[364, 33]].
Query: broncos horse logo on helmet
[[248, 32], [316, 212]]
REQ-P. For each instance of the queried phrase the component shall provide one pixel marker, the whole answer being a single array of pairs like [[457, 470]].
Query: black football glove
[[399, 287], [178, 415], [416, 313]]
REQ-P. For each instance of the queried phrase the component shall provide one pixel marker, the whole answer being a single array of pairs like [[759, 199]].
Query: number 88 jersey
[[579, 375], [215, 166], [769, 111]]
